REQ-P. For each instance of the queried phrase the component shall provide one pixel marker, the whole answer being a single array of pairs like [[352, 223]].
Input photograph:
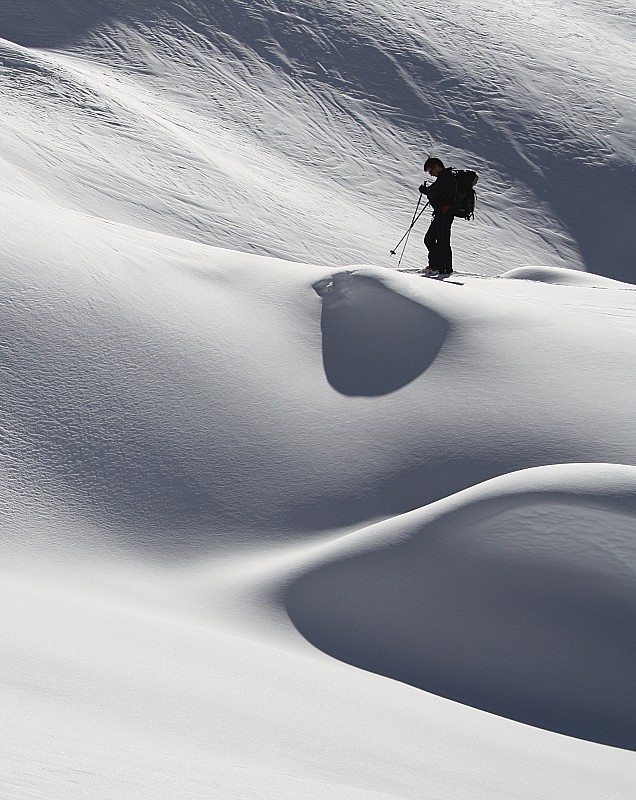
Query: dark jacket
[[441, 192]]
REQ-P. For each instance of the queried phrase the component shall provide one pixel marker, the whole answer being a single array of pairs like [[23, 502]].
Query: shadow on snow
[[375, 341]]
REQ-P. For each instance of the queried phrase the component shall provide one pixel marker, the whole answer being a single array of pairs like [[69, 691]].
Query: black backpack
[[464, 200]]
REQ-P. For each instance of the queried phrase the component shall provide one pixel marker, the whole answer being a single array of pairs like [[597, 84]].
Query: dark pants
[[437, 241]]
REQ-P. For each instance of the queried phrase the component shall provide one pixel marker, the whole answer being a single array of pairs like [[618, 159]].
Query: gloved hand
[[423, 188]]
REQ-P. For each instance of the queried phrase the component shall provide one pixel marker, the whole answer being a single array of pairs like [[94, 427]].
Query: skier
[[437, 239]]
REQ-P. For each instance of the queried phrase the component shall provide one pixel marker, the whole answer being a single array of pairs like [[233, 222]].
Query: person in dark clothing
[[440, 195]]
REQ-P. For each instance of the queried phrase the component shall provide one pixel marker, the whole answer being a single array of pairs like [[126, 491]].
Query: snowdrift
[[189, 442], [517, 597], [163, 383], [564, 277]]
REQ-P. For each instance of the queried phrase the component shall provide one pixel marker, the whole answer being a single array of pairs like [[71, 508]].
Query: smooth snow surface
[[566, 277], [278, 521]]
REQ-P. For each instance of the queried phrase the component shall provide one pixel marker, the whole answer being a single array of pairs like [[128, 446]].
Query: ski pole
[[416, 215], [419, 200]]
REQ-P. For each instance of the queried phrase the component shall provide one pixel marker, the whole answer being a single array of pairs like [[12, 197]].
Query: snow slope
[[299, 129], [185, 456], [309, 527]]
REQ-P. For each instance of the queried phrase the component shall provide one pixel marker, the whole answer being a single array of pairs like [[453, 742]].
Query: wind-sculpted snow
[[564, 277], [517, 597], [233, 116], [185, 439], [166, 408]]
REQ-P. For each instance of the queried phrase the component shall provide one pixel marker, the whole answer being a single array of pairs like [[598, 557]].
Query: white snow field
[[276, 519]]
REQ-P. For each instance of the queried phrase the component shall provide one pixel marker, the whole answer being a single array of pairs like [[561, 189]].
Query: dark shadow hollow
[[542, 644], [375, 341]]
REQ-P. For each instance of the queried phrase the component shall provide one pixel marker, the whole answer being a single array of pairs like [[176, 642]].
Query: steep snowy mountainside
[[258, 126]]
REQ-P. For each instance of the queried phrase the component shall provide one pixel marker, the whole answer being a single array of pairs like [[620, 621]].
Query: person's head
[[433, 166]]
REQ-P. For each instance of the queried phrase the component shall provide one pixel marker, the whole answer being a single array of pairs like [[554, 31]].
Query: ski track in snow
[[277, 521]]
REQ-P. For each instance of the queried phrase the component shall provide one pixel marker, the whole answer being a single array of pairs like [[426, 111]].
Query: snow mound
[[184, 395], [517, 597], [564, 277]]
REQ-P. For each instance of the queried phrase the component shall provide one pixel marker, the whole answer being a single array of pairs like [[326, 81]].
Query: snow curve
[[517, 597], [564, 277]]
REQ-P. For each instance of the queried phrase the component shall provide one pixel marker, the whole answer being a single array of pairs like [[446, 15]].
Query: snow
[[565, 277], [278, 520]]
